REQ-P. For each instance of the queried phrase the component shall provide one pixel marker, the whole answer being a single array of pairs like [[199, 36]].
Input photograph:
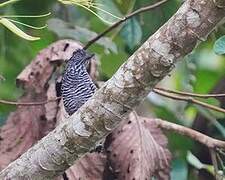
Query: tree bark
[[125, 90]]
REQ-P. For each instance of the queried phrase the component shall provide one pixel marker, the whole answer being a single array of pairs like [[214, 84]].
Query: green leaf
[[132, 33], [2, 119], [214, 102], [8, 2], [12, 27], [110, 63], [109, 6], [194, 161], [211, 117], [66, 30], [2, 78], [219, 46], [209, 168], [207, 79], [179, 170], [102, 13], [125, 6]]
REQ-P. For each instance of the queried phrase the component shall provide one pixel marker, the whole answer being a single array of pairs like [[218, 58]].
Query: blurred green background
[[200, 72]]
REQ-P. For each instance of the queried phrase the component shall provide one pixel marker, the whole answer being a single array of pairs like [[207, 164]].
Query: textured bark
[[125, 90]]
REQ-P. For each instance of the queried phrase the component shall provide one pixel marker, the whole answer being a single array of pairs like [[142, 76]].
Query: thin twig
[[214, 162], [195, 135], [143, 9], [189, 99], [28, 103], [220, 160], [155, 89], [190, 94]]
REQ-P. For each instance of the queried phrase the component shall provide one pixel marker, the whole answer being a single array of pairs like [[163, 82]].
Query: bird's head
[[81, 57]]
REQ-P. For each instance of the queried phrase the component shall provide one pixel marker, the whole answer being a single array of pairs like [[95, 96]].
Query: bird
[[77, 86]]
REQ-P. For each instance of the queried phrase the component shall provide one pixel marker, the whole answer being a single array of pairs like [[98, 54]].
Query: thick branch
[[127, 88]]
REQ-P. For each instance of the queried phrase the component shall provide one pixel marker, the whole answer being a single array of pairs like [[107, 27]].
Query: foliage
[[132, 33], [200, 73], [9, 23], [219, 46], [88, 4]]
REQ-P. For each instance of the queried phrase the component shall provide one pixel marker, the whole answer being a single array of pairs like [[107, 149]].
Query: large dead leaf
[[21, 131], [51, 109], [28, 124], [137, 151], [89, 167], [38, 72]]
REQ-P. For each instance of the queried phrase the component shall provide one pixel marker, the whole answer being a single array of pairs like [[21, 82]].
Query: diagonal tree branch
[[127, 88]]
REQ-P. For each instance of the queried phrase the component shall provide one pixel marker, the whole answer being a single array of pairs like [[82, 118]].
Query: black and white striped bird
[[77, 86]]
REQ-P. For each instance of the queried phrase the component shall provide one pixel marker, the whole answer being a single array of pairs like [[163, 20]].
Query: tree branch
[[28, 103], [149, 64], [189, 94], [190, 100], [195, 135]]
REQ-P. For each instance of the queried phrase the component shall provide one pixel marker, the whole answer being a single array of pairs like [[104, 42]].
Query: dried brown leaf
[[20, 132], [37, 73], [93, 69], [89, 167], [30, 123], [51, 109], [137, 151]]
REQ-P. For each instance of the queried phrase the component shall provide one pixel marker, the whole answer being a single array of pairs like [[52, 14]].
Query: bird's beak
[[90, 56]]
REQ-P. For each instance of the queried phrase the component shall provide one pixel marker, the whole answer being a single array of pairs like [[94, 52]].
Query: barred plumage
[[77, 86]]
